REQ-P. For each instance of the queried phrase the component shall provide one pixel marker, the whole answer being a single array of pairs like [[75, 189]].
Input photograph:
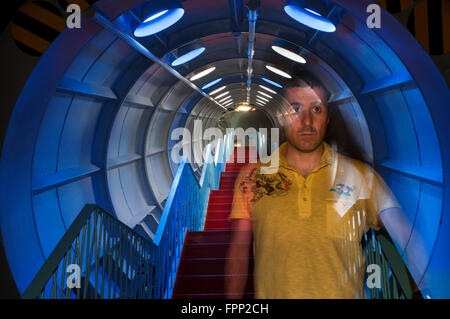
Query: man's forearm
[[236, 268], [236, 264]]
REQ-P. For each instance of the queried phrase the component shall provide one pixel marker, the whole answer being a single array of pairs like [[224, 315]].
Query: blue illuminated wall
[[93, 122]]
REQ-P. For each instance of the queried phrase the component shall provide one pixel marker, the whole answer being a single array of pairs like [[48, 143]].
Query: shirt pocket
[[342, 219]]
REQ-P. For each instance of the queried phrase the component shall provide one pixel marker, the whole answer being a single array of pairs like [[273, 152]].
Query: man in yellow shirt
[[308, 215]]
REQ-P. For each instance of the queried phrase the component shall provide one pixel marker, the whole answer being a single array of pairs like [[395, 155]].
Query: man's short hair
[[305, 79]]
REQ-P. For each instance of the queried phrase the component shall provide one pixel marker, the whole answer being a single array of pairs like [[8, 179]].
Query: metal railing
[[100, 257], [394, 278]]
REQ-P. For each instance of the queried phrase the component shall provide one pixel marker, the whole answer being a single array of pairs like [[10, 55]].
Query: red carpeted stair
[[201, 270]]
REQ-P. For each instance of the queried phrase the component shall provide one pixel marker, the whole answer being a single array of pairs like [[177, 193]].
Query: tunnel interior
[[99, 118]]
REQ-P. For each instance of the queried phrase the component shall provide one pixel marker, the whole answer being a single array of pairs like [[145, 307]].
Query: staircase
[[201, 268]]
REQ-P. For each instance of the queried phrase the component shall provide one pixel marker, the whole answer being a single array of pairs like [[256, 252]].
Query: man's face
[[305, 117]]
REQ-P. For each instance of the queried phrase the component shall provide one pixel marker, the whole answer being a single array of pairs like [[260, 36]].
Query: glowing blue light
[[309, 18], [312, 11], [156, 15], [188, 56], [158, 22], [272, 82], [212, 83]]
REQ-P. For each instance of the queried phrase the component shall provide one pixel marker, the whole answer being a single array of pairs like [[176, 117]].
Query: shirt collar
[[325, 159]]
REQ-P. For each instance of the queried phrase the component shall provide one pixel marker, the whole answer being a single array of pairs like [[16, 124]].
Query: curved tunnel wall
[[99, 129]]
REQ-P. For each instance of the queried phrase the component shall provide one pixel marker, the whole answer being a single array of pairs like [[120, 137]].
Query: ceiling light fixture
[[203, 73], [272, 82], [217, 90], [226, 99], [156, 15], [260, 101], [191, 55], [267, 89], [262, 98], [222, 94], [243, 108], [210, 84], [310, 13], [265, 94], [158, 19], [289, 54], [278, 71]]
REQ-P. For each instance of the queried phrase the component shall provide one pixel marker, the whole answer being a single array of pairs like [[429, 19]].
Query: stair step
[[219, 206], [217, 215], [234, 165], [233, 169], [222, 192], [211, 236], [229, 177], [218, 224], [225, 185], [208, 250], [221, 199], [224, 195], [229, 180], [212, 213], [225, 182], [229, 174], [207, 284], [209, 266]]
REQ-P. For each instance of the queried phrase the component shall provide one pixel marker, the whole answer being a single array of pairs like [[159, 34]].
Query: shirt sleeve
[[381, 198], [240, 207]]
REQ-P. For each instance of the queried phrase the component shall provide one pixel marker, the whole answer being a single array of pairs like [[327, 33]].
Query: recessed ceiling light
[[212, 83], [312, 11], [222, 94], [203, 73], [262, 98], [278, 71], [260, 101], [288, 54], [265, 94], [158, 21], [226, 99], [243, 108], [156, 15], [218, 90], [267, 89], [310, 18], [188, 56], [272, 82]]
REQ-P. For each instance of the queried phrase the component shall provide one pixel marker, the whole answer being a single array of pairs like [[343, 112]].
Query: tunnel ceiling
[[101, 129]]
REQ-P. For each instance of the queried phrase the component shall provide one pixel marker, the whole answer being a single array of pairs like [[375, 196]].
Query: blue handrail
[[185, 209], [112, 260]]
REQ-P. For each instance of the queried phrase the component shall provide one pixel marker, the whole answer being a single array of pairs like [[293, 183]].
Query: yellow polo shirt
[[307, 231]]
